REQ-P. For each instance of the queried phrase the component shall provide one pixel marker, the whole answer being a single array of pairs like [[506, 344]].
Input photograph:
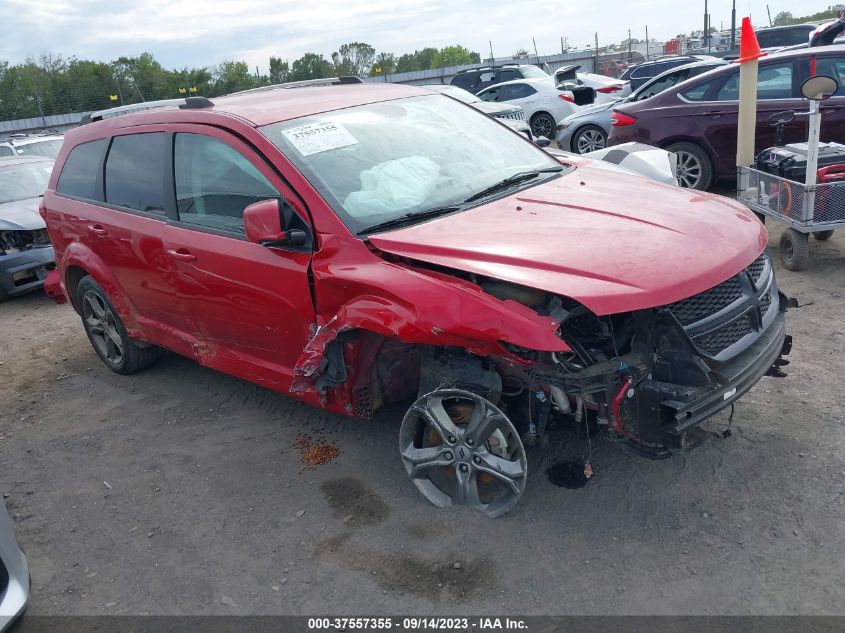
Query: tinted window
[[509, 75], [700, 91], [784, 37], [80, 171], [462, 81], [515, 91], [833, 67], [135, 171], [215, 183], [5, 150]]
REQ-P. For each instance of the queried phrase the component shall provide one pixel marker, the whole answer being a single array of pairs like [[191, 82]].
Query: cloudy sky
[[204, 32]]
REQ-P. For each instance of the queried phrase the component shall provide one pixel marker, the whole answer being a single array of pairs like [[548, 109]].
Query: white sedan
[[607, 89], [542, 101]]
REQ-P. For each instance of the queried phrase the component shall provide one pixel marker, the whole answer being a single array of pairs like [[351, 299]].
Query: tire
[[543, 124], [695, 169], [821, 236], [107, 334], [794, 249], [589, 139]]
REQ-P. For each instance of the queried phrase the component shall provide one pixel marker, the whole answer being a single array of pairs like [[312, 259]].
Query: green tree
[[425, 58], [454, 56], [310, 66], [279, 70], [407, 63], [354, 58], [230, 76], [385, 64], [783, 18]]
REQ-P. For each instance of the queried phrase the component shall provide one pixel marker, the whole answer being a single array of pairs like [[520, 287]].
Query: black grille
[[706, 303], [756, 268], [765, 301], [714, 342]]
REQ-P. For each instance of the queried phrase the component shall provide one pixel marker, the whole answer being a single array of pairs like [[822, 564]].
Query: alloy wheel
[[590, 140], [690, 170], [102, 326], [543, 125], [459, 449]]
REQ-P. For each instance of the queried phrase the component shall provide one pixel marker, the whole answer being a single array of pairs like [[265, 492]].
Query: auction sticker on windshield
[[319, 136]]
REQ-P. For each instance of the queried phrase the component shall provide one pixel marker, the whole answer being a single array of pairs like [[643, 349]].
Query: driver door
[[248, 307]]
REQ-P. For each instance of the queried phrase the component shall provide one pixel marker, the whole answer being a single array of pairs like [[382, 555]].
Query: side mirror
[[819, 88], [263, 225], [541, 141]]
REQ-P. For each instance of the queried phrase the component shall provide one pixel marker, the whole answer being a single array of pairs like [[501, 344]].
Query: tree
[[407, 63], [454, 56], [783, 18], [279, 70], [385, 64], [230, 76], [310, 66], [354, 58]]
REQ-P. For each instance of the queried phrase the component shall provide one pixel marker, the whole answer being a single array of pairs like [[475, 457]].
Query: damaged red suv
[[362, 246]]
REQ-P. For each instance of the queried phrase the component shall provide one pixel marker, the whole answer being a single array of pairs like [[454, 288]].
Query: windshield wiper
[[409, 218], [517, 178]]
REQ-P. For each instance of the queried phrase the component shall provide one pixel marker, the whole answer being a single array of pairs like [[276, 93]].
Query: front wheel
[[589, 139], [695, 169], [107, 334], [794, 249], [543, 124]]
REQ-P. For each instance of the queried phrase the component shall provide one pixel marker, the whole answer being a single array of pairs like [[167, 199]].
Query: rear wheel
[[589, 139], [107, 334], [459, 449], [794, 249], [695, 169], [821, 236], [543, 124]]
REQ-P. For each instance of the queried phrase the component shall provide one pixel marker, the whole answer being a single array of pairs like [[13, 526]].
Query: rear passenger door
[[249, 307]]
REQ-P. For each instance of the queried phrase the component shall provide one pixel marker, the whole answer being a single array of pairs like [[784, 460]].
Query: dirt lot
[[180, 491]]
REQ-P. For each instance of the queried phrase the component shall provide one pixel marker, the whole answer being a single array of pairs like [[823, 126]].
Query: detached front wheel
[[107, 334], [459, 449], [794, 249]]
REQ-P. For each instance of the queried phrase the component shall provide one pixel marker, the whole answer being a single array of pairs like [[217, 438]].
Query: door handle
[[181, 254], [715, 114], [96, 229]]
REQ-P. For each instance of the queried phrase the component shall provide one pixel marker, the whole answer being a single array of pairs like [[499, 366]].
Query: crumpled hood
[[21, 215], [613, 242]]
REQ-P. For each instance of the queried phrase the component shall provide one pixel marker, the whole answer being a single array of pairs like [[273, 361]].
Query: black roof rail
[[189, 103]]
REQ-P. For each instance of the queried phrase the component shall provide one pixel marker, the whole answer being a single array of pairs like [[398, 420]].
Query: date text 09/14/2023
[[416, 624]]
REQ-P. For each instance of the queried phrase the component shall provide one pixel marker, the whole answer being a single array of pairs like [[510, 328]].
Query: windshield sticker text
[[319, 136]]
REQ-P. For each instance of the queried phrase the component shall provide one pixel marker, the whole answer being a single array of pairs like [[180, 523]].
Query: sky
[[182, 33]]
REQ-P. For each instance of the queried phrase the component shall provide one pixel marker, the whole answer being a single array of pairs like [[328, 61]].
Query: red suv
[[360, 246]]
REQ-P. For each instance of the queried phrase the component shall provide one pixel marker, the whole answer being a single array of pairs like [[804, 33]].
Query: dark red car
[[363, 246], [697, 118]]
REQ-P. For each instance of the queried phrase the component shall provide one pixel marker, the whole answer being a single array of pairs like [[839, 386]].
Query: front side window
[[23, 181], [491, 94], [135, 170], [81, 169], [215, 183], [383, 161]]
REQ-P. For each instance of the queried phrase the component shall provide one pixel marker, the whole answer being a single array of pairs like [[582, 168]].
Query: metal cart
[[815, 206], [818, 209]]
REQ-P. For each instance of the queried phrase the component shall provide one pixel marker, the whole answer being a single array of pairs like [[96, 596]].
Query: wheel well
[[73, 275], [698, 144], [536, 114]]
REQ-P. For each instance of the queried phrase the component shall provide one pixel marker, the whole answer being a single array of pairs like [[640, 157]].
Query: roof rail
[[306, 83], [184, 103]]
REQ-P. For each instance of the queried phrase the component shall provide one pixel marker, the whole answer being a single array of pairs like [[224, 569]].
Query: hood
[[612, 241], [21, 215], [495, 109]]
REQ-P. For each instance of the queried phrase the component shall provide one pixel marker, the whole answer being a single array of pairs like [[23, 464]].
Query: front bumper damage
[[25, 270]]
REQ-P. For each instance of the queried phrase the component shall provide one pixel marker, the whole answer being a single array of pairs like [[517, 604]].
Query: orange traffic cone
[[749, 48]]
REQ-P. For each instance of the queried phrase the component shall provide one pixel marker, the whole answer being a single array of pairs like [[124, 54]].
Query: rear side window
[[135, 171], [81, 169], [515, 91], [699, 92], [215, 183]]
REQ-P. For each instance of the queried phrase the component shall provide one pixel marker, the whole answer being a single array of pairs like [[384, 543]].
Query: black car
[[477, 79], [641, 73]]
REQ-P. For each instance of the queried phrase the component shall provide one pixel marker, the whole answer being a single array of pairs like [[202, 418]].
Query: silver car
[[26, 255], [587, 130], [14, 574]]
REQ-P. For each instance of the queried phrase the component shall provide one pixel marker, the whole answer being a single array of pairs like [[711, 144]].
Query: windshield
[[49, 149], [24, 180], [378, 162], [532, 72]]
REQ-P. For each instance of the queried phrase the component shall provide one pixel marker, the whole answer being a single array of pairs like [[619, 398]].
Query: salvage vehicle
[[641, 73], [14, 573], [45, 144], [367, 246], [475, 80], [25, 251], [697, 120], [608, 89]]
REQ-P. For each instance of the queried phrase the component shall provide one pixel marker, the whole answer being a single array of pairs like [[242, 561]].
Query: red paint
[[266, 314]]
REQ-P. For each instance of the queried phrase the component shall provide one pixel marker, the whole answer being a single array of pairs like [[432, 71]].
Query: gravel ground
[[181, 491]]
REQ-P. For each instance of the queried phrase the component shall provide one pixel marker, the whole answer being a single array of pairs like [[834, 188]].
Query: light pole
[[733, 25]]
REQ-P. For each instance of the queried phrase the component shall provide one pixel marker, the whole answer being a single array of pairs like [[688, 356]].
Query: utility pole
[[733, 25], [769, 13], [492, 59], [629, 44], [562, 50], [647, 44], [536, 54], [596, 62]]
